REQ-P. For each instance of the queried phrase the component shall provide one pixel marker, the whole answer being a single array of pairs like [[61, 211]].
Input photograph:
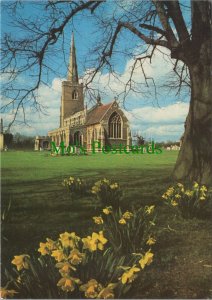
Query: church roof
[[95, 114]]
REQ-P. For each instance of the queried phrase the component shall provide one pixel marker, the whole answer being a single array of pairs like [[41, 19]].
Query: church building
[[105, 123]]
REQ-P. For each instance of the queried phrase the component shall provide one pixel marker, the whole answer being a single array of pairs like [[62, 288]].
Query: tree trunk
[[195, 158]]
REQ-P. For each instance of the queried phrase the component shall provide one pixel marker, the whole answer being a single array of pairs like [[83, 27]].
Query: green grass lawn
[[41, 207], [40, 204]]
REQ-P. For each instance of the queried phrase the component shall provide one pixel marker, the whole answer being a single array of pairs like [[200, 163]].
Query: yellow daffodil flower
[[65, 182], [203, 194], [94, 190], [149, 209], [151, 241], [122, 221], [106, 180], [114, 186], [4, 293], [65, 268], [101, 240], [129, 276], [165, 196], [189, 193], [68, 284], [89, 243], [203, 188], [69, 239], [107, 210], [76, 257], [58, 255], [177, 196], [21, 261], [91, 289], [174, 203], [180, 185], [196, 185], [95, 241], [170, 191], [146, 259], [43, 249], [127, 215], [46, 248], [98, 220], [51, 244], [202, 198], [107, 292]]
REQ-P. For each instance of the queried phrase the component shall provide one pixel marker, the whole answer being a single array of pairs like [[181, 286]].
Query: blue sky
[[162, 118]]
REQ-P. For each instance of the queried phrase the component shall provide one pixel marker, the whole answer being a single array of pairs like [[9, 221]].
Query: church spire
[[72, 69]]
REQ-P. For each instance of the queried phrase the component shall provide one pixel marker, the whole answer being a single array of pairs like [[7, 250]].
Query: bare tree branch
[[153, 28], [42, 40], [44, 35]]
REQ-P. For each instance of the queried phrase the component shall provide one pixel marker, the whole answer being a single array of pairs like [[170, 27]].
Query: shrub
[[190, 202], [76, 186], [76, 268], [109, 193], [127, 232]]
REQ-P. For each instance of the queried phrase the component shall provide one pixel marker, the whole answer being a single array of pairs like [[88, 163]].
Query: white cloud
[[168, 131], [166, 123], [170, 114], [158, 69], [39, 124]]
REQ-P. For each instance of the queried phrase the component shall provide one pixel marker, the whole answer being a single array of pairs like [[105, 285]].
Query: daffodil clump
[[128, 231], [76, 186], [131, 273], [101, 265], [78, 267], [108, 192], [191, 202]]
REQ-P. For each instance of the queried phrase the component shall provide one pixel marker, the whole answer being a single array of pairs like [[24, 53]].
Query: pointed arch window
[[75, 95], [115, 126]]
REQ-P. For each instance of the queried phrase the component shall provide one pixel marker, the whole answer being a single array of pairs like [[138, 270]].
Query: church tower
[[72, 99]]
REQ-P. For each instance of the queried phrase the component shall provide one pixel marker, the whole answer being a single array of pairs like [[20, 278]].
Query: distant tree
[[23, 142], [16, 137], [8, 139], [156, 24], [140, 140]]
